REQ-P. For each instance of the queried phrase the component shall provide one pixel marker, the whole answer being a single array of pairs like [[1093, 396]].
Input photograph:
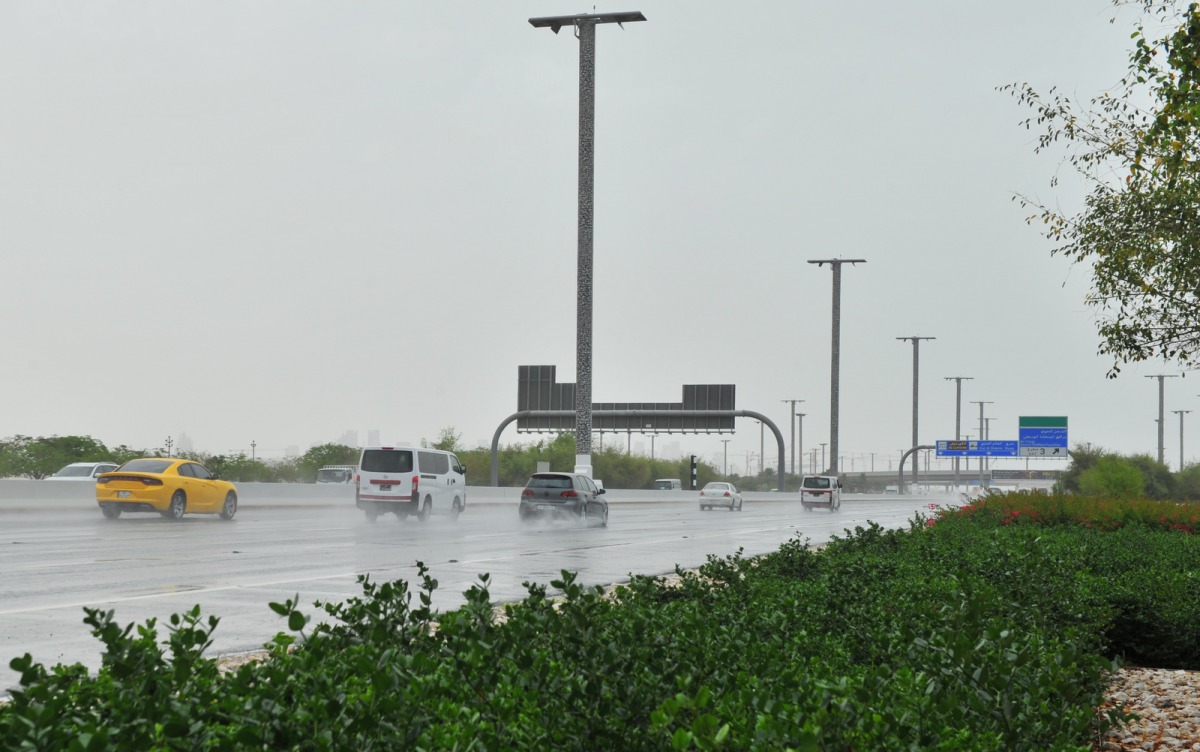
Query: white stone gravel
[[1167, 703]]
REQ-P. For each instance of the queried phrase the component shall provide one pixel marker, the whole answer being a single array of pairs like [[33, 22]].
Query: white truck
[[821, 491]]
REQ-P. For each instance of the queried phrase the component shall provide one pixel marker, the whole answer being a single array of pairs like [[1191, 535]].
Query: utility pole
[[792, 411], [800, 439], [726, 457], [823, 465], [253, 446], [916, 343], [585, 30], [169, 443], [958, 380], [760, 447], [835, 355], [1181, 413], [982, 435], [1160, 378]]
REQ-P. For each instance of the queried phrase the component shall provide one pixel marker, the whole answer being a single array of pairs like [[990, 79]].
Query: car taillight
[[415, 492], [568, 494], [527, 492], [726, 493], [152, 481]]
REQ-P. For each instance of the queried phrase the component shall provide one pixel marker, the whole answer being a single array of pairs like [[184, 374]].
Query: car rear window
[[549, 481], [387, 461], [816, 483], [145, 466], [79, 471]]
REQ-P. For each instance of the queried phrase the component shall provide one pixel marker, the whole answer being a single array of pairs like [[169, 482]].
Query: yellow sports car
[[170, 487]]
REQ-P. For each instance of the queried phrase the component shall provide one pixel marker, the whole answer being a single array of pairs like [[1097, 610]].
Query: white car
[[719, 494], [83, 471]]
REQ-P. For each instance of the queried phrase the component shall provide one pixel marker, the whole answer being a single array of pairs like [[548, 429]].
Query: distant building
[[349, 438], [184, 443], [373, 437]]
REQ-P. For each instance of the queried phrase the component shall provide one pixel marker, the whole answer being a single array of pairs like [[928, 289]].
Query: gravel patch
[[1167, 703]]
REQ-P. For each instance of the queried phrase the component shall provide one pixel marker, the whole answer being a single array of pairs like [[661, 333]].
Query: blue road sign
[[956, 448], [1043, 437]]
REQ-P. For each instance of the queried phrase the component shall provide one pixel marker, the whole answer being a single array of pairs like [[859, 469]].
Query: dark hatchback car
[[569, 496]]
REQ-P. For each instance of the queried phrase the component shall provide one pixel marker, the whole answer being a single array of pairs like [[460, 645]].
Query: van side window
[[434, 462]]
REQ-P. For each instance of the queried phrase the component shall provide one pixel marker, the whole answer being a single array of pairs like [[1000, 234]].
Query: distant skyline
[[280, 222]]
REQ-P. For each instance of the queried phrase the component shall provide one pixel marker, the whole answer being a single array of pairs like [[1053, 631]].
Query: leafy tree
[[1187, 483], [1139, 230], [240, 468], [448, 440], [1083, 457], [325, 454], [43, 456], [1158, 482], [1112, 476]]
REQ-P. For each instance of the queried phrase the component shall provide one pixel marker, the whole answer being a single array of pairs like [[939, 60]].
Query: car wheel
[[455, 510], [604, 518], [229, 509], [583, 519], [372, 513], [426, 509], [111, 511], [177, 506]]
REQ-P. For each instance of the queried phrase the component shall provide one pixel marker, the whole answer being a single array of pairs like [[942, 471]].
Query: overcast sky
[[279, 221]]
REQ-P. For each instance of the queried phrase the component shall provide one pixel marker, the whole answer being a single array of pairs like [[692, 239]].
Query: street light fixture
[[916, 343], [1160, 378], [835, 355], [793, 402], [958, 380], [585, 29], [1181, 413]]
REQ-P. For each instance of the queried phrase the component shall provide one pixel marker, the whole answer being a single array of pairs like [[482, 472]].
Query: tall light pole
[[585, 29], [760, 447], [169, 443], [982, 434], [916, 377], [1160, 378], [792, 411], [958, 380], [835, 355], [1181, 413], [800, 440], [253, 446], [823, 465], [726, 460]]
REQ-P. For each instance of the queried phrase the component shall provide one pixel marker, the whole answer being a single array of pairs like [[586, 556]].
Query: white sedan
[[719, 494]]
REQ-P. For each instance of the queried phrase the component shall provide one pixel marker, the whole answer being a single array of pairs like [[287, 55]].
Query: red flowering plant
[[1022, 508]]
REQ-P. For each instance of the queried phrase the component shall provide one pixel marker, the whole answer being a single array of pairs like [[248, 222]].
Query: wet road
[[56, 561]]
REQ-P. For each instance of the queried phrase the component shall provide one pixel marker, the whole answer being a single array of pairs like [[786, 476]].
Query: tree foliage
[[1138, 151], [1113, 477]]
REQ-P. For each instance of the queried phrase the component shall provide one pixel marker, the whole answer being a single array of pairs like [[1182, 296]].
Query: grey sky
[[276, 221]]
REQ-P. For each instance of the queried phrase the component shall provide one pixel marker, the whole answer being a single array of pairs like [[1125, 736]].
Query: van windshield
[[387, 461]]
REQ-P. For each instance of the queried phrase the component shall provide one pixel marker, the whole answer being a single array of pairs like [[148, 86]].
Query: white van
[[821, 491], [668, 484], [409, 480]]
